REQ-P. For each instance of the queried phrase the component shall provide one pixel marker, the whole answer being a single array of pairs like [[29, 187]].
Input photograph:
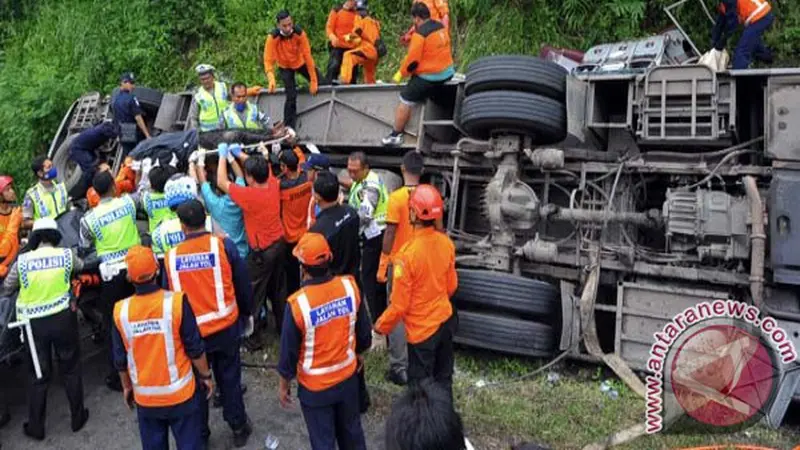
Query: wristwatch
[[204, 377]]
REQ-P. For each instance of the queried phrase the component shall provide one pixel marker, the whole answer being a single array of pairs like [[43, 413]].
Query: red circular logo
[[722, 376]]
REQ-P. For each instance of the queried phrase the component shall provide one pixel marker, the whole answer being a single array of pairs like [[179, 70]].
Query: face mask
[[285, 34], [240, 106], [50, 174]]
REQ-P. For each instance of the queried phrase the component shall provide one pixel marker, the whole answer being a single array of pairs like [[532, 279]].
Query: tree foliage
[[53, 51]]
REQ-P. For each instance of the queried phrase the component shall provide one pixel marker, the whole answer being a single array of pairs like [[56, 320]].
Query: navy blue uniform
[[332, 414], [83, 151], [184, 419], [126, 107], [222, 348]]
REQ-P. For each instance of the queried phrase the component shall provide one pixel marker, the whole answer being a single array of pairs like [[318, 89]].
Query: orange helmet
[[142, 264], [5, 181], [312, 250], [426, 202]]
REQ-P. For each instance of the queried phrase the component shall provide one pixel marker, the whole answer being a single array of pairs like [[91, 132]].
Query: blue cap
[[317, 161], [127, 77]]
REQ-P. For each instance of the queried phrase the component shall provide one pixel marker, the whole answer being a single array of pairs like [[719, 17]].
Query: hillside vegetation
[[53, 51]]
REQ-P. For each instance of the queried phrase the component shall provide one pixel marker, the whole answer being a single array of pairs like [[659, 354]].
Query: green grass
[[568, 414]]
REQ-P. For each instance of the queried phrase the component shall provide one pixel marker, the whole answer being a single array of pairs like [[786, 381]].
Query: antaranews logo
[[716, 367]]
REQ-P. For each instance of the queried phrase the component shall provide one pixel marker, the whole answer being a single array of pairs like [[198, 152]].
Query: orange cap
[[142, 264], [312, 250]]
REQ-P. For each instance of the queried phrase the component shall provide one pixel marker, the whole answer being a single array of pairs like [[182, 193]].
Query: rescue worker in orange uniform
[[211, 272], [10, 222], [756, 16], [325, 332], [429, 63], [295, 196], [365, 35], [288, 47], [440, 12], [156, 343], [125, 181], [340, 23], [423, 280]]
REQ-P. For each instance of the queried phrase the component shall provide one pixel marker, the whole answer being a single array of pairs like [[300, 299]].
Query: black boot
[[241, 435], [79, 422]]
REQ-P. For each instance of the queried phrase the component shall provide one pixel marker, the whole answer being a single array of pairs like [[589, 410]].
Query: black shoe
[[4, 419], [77, 425], [38, 435], [241, 435], [398, 378], [114, 383]]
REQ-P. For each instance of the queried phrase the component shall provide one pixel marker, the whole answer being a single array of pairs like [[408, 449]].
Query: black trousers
[[374, 292], [55, 334], [335, 65], [433, 357], [290, 105], [268, 276], [112, 291], [226, 364], [292, 270]]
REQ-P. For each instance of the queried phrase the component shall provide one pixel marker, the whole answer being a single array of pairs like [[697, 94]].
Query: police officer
[[43, 278], [210, 100], [47, 198], [325, 332], [211, 272], [169, 233], [128, 116], [241, 114], [154, 201], [110, 228], [368, 196], [423, 280], [156, 344]]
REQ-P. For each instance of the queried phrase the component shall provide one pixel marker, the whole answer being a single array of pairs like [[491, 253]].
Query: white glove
[[137, 165], [201, 158], [147, 164], [249, 327], [276, 147], [291, 133], [193, 157], [174, 161]]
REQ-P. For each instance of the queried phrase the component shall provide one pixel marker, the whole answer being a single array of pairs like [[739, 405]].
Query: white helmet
[[180, 189], [44, 224], [204, 68]]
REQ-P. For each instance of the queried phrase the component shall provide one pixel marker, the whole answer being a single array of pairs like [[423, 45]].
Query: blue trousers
[[751, 44], [226, 364], [187, 429], [87, 161], [338, 422]]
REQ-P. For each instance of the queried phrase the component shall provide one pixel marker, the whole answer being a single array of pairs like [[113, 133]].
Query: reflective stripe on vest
[[155, 204], [223, 314], [49, 204], [168, 234], [113, 224], [210, 107], [356, 196], [44, 278], [163, 326], [310, 330], [756, 9], [234, 122]]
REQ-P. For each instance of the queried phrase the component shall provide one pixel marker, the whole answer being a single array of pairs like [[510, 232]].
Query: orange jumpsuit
[[365, 54], [9, 239]]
